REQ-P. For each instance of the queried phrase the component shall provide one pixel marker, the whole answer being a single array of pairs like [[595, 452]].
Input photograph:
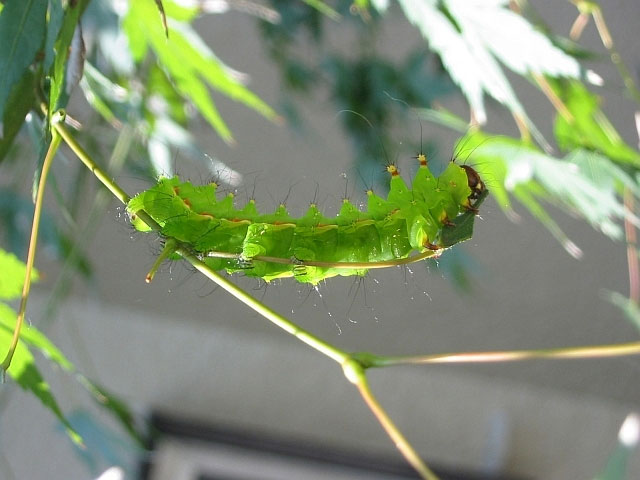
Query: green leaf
[[461, 227], [617, 465], [163, 16], [23, 368], [22, 32], [468, 61], [630, 308], [12, 277], [465, 36], [182, 13], [59, 96], [114, 102], [56, 15], [158, 83], [589, 127], [583, 182], [323, 8], [442, 117], [20, 101], [189, 63], [34, 338], [24, 371], [114, 405]]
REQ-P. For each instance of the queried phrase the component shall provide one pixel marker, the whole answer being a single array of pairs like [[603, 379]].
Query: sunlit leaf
[[323, 8], [584, 182], [516, 43], [56, 15], [442, 117], [159, 85], [163, 16], [59, 94], [114, 102], [22, 33], [23, 368], [465, 35], [24, 371], [190, 64], [184, 12], [12, 277], [588, 127]]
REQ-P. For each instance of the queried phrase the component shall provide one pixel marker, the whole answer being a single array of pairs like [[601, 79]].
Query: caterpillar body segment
[[434, 214]]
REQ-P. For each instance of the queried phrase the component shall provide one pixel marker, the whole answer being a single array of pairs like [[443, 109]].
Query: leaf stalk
[[33, 242]]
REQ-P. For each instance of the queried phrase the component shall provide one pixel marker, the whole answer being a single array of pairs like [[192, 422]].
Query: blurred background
[[182, 349]]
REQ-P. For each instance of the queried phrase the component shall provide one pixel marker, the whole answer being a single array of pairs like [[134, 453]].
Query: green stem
[[100, 174], [90, 164], [287, 325], [346, 265], [356, 375], [33, 242], [589, 351], [616, 59]]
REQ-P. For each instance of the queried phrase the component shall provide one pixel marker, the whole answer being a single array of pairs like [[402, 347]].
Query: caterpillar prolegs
[[407, 226]]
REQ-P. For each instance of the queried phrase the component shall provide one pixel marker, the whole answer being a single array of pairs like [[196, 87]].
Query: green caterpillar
[[434, 215]]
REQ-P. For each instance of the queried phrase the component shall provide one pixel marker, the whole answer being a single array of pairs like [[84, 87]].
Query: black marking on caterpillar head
[[474, 181]]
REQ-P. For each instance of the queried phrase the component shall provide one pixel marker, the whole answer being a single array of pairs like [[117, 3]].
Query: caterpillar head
[[474, 181]]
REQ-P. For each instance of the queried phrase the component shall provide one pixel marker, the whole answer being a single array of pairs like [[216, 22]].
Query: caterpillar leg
[[169, 247]]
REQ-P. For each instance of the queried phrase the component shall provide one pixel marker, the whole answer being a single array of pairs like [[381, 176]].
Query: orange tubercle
[[393, 170]]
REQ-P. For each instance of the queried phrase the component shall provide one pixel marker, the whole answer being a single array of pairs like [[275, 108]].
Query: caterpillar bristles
[[412, 223]]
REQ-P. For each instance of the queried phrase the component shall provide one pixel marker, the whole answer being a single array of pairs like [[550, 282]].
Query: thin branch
[[632, 252], [557, 103], [616, 59], [589, 351], [341, 265], [287, 325], [33, 242], [355, 374], [578, 26], [90, 164]]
